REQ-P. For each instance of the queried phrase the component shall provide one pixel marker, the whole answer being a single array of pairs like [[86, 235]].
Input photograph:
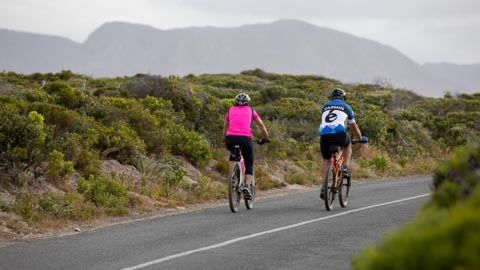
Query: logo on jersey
[[331, 116]]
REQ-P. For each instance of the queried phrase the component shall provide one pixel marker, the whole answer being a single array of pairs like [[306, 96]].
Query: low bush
[[445, 233], [58, 168], [457, 178], [437, 239], [64, 94], [104, 193]]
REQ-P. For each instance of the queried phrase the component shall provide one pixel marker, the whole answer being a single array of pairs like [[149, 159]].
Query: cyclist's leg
[[347, 149], [344, 140], [247, 152], [325, 141], [325, 165]]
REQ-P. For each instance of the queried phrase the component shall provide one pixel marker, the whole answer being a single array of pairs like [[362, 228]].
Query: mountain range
[[284, 46]]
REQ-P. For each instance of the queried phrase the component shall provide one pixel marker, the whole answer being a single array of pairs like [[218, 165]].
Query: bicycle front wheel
[[234, 193], [344, 191], [329, 190]]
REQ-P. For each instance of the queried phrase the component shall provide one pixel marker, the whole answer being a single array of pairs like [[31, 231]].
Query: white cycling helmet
[[242, 99]]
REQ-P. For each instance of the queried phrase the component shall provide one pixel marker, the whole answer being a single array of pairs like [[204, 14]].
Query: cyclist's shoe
[[322, 193], [346, 171], [247, 194]]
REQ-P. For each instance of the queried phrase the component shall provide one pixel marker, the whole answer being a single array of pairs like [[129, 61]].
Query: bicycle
[[236, 180], [335, 182]]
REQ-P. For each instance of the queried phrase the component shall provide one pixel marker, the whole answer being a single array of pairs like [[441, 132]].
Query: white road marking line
[[182, 254]]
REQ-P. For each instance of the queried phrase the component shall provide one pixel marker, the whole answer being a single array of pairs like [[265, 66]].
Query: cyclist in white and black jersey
[[335, 114]]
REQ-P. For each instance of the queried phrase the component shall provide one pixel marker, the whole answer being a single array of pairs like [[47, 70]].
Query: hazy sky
[[424, 30]]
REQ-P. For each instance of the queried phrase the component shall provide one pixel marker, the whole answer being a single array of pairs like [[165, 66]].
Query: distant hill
[[28, 53], [285, 46], [467, 77]]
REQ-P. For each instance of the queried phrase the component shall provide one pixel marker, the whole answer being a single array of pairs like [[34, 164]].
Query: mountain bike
[[236, 180], [337, 180]]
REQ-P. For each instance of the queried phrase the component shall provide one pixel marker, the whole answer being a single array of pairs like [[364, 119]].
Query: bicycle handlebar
[[355, 142], [262, 141]]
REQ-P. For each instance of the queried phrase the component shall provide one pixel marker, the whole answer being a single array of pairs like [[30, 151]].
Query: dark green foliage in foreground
[[446, 233], [457, 178]]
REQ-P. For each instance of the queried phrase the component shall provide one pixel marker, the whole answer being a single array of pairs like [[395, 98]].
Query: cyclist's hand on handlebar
[[262, 141], [364, 139]]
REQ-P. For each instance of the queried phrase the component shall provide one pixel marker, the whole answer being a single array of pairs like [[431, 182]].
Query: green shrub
[[445, 233], [24, 204], [58, 168], [174, 176], [307, 178], [206, 190], [65, 75], [46, 204], [63, 119], [264, 180], [437, 239], [191, 145], [372, 122], [64, 94], [456, 178], [19, 134], [107, 193], [81, 151], [296, 178], [18, 154], [60, 206], [380, 163], [273, 93], [13, 103], [120, 142]]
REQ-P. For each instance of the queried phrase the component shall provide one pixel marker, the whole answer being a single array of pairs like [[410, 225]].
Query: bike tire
[[249, 202], [344, 191], [234, 194], [329, 190]]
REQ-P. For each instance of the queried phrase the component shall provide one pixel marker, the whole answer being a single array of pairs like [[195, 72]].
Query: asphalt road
[[287, 232]]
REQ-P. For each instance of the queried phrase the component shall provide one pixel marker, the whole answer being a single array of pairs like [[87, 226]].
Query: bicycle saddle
[[334, 148], [235, 153]]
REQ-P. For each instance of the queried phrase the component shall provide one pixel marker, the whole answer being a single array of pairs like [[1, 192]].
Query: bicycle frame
[[337, 162], [236, 159]]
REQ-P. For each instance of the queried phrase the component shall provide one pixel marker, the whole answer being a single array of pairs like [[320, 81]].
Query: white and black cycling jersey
[[335, 114]]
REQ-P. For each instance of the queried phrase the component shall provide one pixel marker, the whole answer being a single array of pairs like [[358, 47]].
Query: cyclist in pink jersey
[[237, 131]]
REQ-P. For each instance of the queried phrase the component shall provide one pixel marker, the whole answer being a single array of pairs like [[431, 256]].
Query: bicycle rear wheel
[[344, 191], [249, 202], [329, 189], [234, 193]]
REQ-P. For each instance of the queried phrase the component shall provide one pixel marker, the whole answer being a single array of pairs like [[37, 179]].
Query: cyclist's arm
[[225, 127], [356, 130], [262, 128]]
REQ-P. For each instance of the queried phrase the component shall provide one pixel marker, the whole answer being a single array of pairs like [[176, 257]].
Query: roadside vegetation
[[446, 232], [77, 149]]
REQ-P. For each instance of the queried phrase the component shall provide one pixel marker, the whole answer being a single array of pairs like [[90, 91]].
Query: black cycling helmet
[[338, 93], [242, 99]]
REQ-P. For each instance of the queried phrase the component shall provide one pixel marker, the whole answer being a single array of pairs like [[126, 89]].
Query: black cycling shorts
[[246, 147], [340, 139]]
